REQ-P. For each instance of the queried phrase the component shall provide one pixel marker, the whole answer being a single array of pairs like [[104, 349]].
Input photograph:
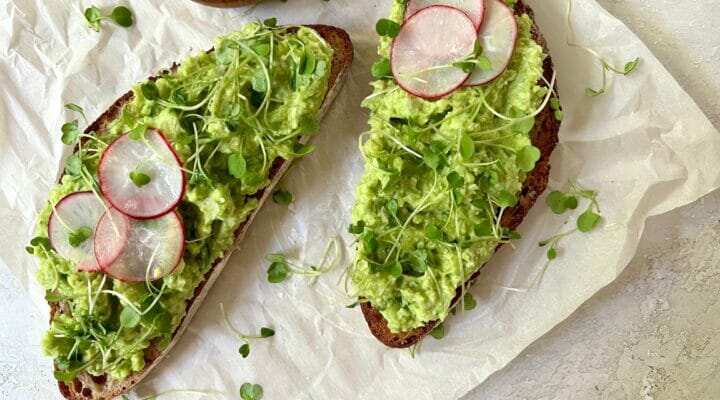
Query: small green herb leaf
[[79, 236], [467, 147], [308, 125], [527, 157], [139, 179], [53, 297], [506, 199], [283, 197], [483, 63], [138, 132], [251, 391], [433, 232], [469, 302], [357, 228], [244, 350], [77, 109], [386, 27], [551, 253], [270, 22], [237, 166], [129, 318], [630, 66], [588, 221], [381, 68], [455, 180], [439, 332], [70, 133], [122, 16], [277, 272], [73, 165], [150, 91], [267, 332], [93, 16]]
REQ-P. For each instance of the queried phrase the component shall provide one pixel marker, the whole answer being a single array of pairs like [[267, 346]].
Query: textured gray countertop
[[654, 333]]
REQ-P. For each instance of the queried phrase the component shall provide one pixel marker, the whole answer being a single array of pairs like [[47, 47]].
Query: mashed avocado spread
[[438, 176], [250, 99]]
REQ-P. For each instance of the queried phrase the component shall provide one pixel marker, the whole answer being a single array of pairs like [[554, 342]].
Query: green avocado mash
[[438, 176], [228, 114]]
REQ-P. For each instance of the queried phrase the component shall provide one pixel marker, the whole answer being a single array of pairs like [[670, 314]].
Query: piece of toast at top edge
[[88, 387], [544, 136]]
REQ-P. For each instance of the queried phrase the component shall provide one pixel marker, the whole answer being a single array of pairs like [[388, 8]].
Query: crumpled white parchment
[[644, 145]]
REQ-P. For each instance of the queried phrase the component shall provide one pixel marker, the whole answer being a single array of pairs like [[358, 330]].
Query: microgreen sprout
[[606, 67], [282, 197], [439, 331], [251, 391], [121, 15], [280, 267], [244, 349], [388, 28], [77, 109]]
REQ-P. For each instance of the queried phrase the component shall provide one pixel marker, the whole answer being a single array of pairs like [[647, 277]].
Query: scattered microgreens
[[560, 202], [476, 60], [386, 27], [139, 179], [606, 67], [280, 267], [381, 69], [77, 109], [244, 349], [121, 15], [282, 197], [251, 391], [78, 236]]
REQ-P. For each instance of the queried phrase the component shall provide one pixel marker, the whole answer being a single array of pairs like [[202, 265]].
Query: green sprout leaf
[[483, 229], [53, 297], [77, 109], [79, 236], [527, 157], [282, 197], [244, 350], [630, 66], [70, 133], [122, 16], [308, 125], [469, 302], [73, 165], [150, 90], [251, 391], [483, 64], [560, 202], [270, 22], [129, 318], [277, 272], [381, 68], [455, 181], [386, 27], [551, 253], [267, 332], [225, 53], [467, 147], [93, 16], [590, 92], [433, 232], [138, 132], [588, 221], [439, 332], [237, 166], [139, 179], [357, 228], [506, 199]]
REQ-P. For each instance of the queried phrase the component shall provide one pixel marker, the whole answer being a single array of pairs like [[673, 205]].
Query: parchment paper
[[645, 146]]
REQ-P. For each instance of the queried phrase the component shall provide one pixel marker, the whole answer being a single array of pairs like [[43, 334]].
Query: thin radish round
[[142, 178], [475, 9], [152, 249], [423, 53], [71, 226], [498, 37]]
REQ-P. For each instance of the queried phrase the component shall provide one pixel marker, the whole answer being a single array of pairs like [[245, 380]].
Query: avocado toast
[[234, 117], [426, 225]]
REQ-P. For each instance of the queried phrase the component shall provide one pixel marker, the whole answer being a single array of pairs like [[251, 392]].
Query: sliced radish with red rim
[[475, 9], [498, 37], [151, 250], [142, 178], [423, 53], [71, 226]]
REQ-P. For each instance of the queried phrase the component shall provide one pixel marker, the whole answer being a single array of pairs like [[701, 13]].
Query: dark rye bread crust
[[88, 387], [544, 136]]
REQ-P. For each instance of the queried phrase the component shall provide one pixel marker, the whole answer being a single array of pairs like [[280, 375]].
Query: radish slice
[[151, 250], [498, 37], [152, 156], [429, 42], [70, 228], [475, 9]]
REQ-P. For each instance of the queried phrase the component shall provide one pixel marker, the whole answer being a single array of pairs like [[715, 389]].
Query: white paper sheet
[[644, 145]]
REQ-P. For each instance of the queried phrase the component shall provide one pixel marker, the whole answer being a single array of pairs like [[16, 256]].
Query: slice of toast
[[88, 387], [544, 136]]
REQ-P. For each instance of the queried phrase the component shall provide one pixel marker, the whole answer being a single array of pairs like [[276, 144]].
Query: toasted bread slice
[[88, 387], [544, 136]]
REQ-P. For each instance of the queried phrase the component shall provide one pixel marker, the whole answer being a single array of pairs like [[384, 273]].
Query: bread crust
[[88, 387], [544, 136]]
